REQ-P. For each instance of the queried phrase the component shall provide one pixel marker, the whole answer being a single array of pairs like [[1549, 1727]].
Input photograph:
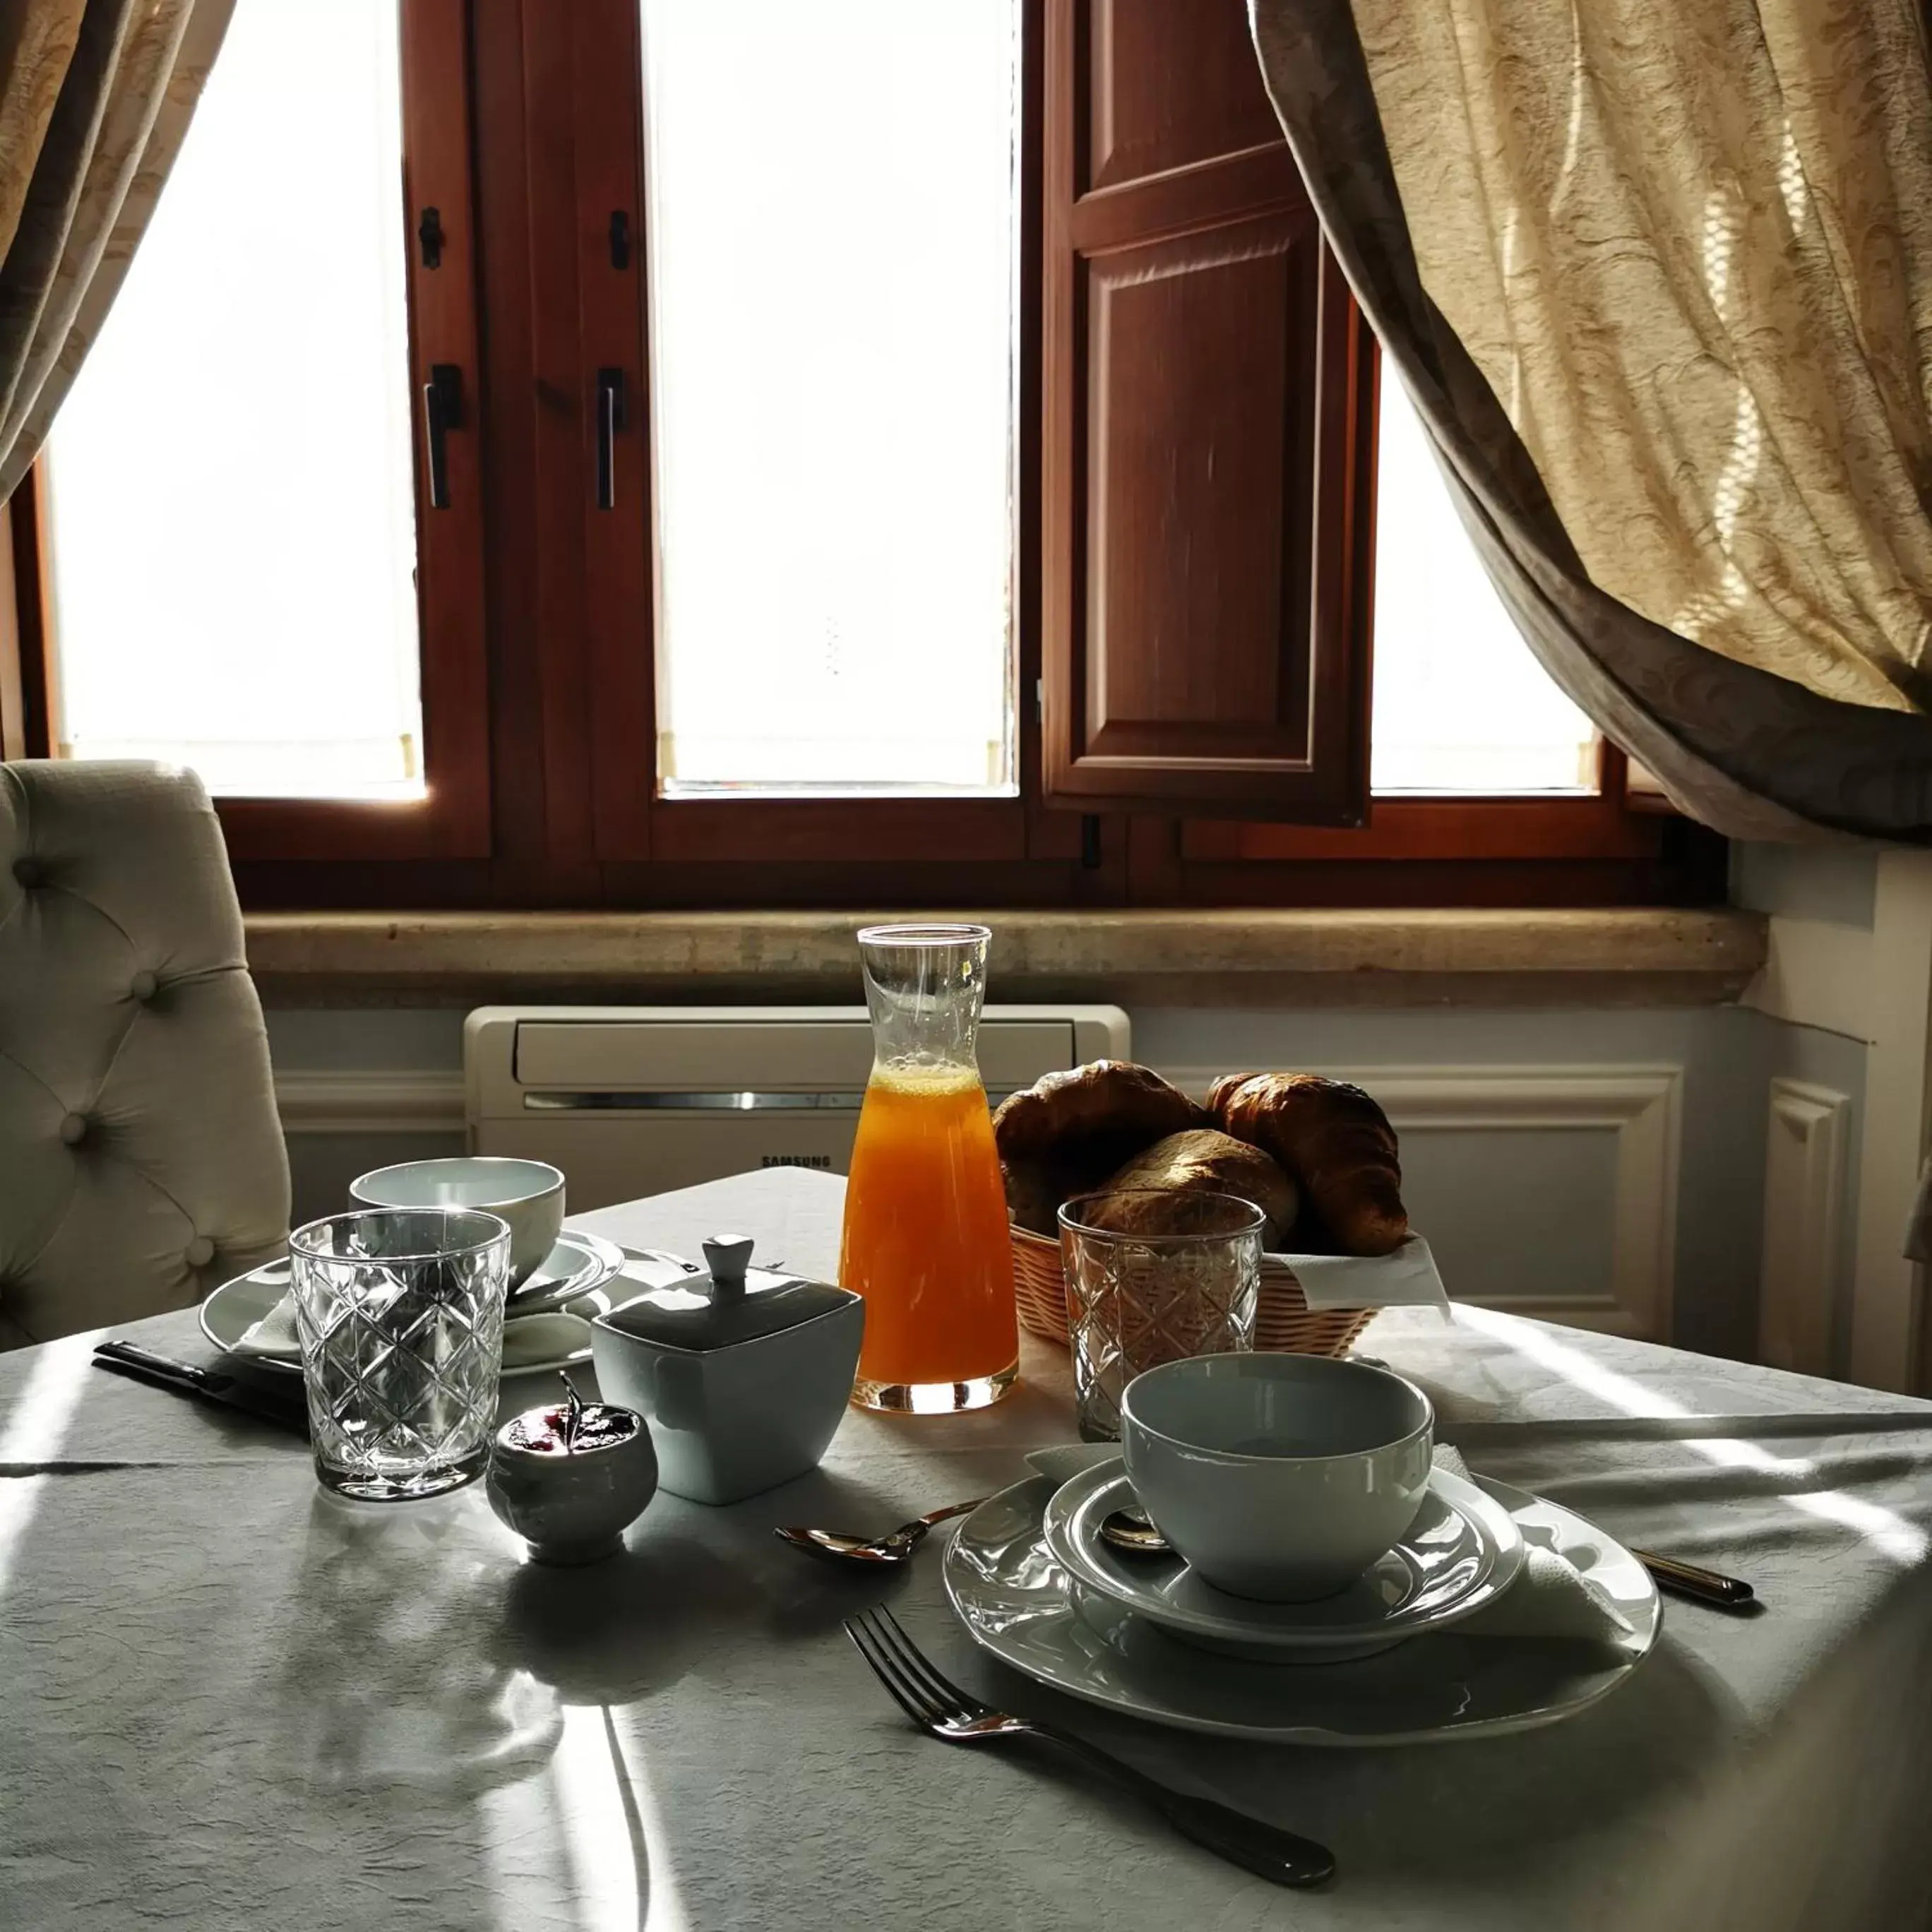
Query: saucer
[[544, 1324], [578, 1265], [1018, 1603], [1463, 1551]]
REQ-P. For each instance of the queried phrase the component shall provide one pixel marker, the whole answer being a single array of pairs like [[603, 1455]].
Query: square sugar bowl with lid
[[744, 1374]]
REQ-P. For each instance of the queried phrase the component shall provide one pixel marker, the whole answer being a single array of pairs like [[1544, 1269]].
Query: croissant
[[1333, 1139], [1106, 1099], [1065, 1133]]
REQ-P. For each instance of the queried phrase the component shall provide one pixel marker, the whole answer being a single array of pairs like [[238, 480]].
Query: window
[[233, 522], [1460, 706], [834, 470], [805, 452]]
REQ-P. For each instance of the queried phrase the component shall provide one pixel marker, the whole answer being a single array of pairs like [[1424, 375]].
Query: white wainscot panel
[[1547, 1190], [1805, 1144], [341, 1123]]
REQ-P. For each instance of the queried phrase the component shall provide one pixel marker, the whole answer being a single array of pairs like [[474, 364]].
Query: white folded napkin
[[275, 1335], [1549, 1598], [1407, 1278]]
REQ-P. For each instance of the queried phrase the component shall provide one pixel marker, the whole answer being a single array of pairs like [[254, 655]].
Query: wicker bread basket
[[1284, 1320]]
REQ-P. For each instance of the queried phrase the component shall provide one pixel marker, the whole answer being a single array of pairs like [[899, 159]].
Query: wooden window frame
[[538, 700], [29, 695], [631, 823], [452, 819]]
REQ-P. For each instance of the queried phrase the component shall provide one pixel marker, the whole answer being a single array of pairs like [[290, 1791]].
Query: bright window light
[[1459, 703], [233, 519], [833, 239]]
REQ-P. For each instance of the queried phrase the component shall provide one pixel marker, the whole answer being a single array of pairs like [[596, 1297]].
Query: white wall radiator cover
[[634, 1100]]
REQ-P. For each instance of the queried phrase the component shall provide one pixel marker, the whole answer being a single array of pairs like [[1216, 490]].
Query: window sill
[[1615, 957]]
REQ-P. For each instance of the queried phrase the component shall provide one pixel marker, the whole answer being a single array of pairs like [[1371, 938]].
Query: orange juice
[[926, 1240]]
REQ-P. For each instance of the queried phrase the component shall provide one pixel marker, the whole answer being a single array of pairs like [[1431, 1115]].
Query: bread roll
[[1200, 1161], [1334, 1140]]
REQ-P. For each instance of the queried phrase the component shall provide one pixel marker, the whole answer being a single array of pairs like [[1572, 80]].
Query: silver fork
[[942, 1710]]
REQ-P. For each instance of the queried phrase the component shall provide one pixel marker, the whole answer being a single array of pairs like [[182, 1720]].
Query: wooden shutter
[[1207, 453]]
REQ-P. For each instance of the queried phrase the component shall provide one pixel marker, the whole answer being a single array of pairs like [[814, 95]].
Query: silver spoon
[[1130, 1531], [896, 1547]]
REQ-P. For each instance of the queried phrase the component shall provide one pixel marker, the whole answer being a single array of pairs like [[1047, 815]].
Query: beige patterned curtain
[[1660, 279], [94, 97]]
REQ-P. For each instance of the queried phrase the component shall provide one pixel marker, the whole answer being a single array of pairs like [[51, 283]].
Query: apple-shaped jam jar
[[571, 1478]]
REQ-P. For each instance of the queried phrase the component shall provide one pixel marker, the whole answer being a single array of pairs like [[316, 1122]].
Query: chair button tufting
[[73, 1130], [29, 872], [142, 985], [199, 1253]]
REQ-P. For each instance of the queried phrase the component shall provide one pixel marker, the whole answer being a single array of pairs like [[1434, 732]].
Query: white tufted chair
[[141, 1159]]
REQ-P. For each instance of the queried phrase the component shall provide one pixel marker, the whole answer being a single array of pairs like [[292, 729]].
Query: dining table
[[230, 1700]]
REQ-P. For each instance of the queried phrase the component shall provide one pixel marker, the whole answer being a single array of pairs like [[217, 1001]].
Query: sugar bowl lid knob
[[727, 1256]]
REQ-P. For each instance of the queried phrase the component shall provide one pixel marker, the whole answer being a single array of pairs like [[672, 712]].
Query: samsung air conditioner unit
[[630, 1101]]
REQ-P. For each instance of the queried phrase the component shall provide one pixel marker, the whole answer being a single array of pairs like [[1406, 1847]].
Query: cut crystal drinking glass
[[1153, 1277], [400, 1313]]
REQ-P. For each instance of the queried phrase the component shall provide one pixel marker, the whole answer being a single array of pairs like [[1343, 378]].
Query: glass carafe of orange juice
[[926, 1240]]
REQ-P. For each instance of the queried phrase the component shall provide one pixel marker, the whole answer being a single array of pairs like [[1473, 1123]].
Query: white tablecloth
[[226, 1701]]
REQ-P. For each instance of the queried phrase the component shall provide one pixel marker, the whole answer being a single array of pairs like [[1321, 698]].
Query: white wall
[[1608, 1165], [1603, 1166], [1844, 1000], [360, 1087], [1559, 1177]]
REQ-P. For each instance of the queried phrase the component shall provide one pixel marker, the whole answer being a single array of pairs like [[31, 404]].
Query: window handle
[[610, 421], [442, 411]]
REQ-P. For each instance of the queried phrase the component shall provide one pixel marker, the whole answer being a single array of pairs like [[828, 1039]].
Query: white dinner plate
[[236, 1306], [552, 1339], [1018, 1603], [1463, 1551], [547, 1338]]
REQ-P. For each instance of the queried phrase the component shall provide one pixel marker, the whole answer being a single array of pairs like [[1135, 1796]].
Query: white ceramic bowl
[[1280, 1477], [528, 1194]]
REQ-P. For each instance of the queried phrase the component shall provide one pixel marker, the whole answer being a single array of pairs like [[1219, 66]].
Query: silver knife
[[143, 1365]]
